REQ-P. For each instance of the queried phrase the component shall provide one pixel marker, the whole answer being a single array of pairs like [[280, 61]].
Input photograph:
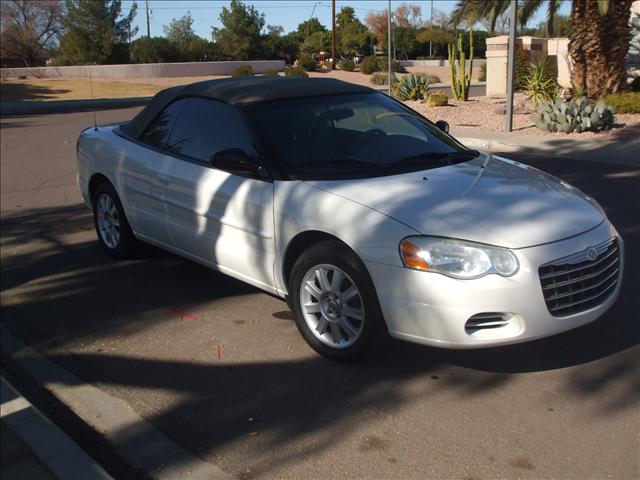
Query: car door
[[217, 216], [142, 194]]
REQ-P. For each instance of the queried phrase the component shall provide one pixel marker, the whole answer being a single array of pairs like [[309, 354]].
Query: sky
[[287, 13]]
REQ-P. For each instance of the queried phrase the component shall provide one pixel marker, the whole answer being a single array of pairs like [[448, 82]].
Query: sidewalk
[[623, 151], [34, 447], [17, 460]]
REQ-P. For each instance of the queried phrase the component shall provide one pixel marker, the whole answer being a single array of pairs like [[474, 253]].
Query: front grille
[[576, 283]]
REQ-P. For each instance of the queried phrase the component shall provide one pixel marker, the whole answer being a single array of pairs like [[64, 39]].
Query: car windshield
[[351, 136]]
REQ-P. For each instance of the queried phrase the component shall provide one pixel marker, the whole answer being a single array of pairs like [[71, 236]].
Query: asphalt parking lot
[[234, 382]]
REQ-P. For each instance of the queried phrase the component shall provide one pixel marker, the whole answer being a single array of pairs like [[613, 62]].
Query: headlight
[[457, 258]]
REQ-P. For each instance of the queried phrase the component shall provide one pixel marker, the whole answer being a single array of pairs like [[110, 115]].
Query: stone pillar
[[497, 50], [558, 52]]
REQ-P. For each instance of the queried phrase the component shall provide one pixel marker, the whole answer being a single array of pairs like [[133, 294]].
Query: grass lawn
[[47, 89]]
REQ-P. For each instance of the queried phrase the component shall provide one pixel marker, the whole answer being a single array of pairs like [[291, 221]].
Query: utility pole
[[146, 2], [511, 60], [310, 17], [333, 34], [389, 43], [431, 32]]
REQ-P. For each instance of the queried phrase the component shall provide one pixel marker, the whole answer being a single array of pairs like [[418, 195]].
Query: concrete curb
[[8, 109], [54, 448], [486, 144], [134, 439]]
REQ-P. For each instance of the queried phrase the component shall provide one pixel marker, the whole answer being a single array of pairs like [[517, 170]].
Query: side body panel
[[219, 218], [300, 207]]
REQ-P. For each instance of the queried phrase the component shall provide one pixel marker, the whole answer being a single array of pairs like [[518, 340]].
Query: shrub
[[437, 99], [270, 73], [307, 62], [541, 84], [243, 71], [369, 65], [574, 116], [380, 78], [379, 64], [432, 57], [625, 102], [414, 86], [295, 72], [483, 73], [347, 65], [431, 78], [325, 66]]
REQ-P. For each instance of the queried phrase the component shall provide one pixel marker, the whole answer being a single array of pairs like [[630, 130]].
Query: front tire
[[334, 302], [114, 233]]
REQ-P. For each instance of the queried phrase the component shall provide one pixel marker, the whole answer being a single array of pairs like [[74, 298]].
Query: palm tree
[[598, 44], [474, 10], [598, 40], [530, 7]]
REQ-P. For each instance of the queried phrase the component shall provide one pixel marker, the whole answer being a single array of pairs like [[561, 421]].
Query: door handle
[[163, 180]]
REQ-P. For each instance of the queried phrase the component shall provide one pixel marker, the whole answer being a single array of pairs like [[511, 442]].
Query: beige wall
[[497, 48], [146, 70]]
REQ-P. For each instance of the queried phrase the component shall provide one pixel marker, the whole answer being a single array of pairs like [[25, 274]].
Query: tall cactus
[[460, 80]]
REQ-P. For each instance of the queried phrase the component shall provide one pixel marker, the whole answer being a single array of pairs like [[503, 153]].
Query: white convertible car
[[364, 215]]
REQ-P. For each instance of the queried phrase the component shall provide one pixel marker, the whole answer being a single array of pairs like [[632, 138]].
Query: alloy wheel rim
[[108, 221], [332, 306]]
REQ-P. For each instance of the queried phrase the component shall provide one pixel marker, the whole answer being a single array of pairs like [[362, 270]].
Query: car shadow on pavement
[[60, 290]]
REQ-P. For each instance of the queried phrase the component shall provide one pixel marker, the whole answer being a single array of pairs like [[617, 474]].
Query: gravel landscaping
[[486, 114]]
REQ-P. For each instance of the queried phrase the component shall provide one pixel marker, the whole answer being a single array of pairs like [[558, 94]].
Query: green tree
[[351, 35], [153, 50], [240, 36], [29, 29], [95, 31], [180, 31], [309, 27]]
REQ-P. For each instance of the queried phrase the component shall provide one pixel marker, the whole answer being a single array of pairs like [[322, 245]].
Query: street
[[220, 367]]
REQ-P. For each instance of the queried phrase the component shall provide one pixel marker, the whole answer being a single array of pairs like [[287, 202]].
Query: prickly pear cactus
[[578, 115]]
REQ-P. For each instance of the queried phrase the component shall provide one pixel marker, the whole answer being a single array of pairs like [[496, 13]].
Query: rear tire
[[113, 230], [334, 302]]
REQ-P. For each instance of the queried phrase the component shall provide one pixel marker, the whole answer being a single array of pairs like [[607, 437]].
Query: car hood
[[488, 199]]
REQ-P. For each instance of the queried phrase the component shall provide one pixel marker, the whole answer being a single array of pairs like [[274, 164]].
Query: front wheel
[[334, 302], [112, 227]]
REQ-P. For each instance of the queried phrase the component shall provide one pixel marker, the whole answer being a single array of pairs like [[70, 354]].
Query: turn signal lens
[[411, 255]]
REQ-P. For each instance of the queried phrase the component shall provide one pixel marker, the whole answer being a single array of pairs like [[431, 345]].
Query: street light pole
[[389, 43], [146, 2], [333, 35], [431, 32], [511, 60]]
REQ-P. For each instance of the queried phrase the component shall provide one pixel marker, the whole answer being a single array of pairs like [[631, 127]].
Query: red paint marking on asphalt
[[183, 314], [218, 351]]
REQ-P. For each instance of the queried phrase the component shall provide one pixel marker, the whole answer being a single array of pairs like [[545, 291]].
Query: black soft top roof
[[235, 91]]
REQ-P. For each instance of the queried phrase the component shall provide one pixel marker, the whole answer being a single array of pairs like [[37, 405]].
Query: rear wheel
[[112, 227], [334, 302]]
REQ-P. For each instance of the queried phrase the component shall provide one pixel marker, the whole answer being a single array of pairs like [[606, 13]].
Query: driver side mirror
[[235, 160], [442, 125]]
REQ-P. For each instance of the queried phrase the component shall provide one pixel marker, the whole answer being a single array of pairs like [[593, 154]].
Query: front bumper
[[432, 309]]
